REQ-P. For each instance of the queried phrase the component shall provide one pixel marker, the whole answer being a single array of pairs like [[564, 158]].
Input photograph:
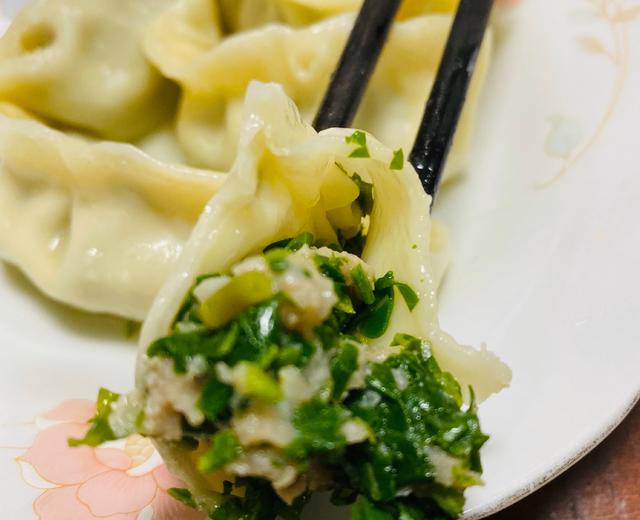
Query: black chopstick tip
[[356, 64], [448, 95]]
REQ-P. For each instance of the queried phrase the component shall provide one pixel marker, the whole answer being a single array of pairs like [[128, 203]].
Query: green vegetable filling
[[378, 431], [397, 163], [225, 448], [359, 139], [260, 502], [100, 430], [184, 496], [415, 411]]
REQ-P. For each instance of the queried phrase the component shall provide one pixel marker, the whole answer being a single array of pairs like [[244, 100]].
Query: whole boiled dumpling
[[214, 81], [96, 225], [238, 15], [190, 28], [80, 63], [246, 14]]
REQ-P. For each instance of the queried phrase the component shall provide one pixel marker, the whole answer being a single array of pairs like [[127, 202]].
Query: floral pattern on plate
[[124, 480]]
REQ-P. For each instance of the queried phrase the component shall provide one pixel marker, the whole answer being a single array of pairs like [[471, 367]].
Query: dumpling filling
[[294, 348], [268, 381]]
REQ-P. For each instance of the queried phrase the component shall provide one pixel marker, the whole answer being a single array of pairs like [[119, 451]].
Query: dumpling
[[80, 63], [111, 70], [190, 28], [301, 60], [243, 416], [181, 34], [95, 225], [288, 179], [410, 8], [239, 15]]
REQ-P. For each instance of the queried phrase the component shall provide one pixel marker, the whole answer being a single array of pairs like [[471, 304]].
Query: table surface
[[605, 485]]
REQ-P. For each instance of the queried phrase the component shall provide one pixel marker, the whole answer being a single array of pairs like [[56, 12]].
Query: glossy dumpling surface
[[289, 179], [80, 63], [286, 180], [214, 73], [95, 225]]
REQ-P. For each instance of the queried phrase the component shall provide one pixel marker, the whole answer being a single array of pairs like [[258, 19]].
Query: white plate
[[546, 273]]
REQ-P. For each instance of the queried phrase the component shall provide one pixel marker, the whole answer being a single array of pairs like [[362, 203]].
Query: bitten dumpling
[[288, 179], [296, 347]]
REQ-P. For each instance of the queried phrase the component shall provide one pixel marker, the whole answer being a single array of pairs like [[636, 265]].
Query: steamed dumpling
[[96, 225], [80, 63]]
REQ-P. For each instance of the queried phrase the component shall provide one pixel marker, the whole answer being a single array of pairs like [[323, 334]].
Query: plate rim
[[558, 468]]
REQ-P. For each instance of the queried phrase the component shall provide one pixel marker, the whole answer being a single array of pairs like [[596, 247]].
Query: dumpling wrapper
[[240, 15], [95, 225], [284, 182], [69, 46], [99, 226], [186, 44], [80, 63]]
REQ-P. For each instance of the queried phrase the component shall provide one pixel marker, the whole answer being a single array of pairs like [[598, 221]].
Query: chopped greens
[[184, 496], [397, 163], [358, 138], [225, 448], [214, 399], [330, 266], [365, 510], [375, 319], [184, 347], [249, 380], [100, 430], [388, 432], [258, 502], [362, 285], [240, 293], [277, 259], [409, 295], [318, 426], [365, 199], [343, 365], [415, 411], [304, 239]]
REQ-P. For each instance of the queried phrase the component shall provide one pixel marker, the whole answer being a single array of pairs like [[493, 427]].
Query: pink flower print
[[112, 483]]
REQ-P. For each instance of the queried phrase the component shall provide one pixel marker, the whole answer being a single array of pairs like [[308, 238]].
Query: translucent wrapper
[[289, 179]]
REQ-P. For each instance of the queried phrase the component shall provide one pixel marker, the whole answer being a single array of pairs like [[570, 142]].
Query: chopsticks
[[449, 92], [360, 55], [445, 103]]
